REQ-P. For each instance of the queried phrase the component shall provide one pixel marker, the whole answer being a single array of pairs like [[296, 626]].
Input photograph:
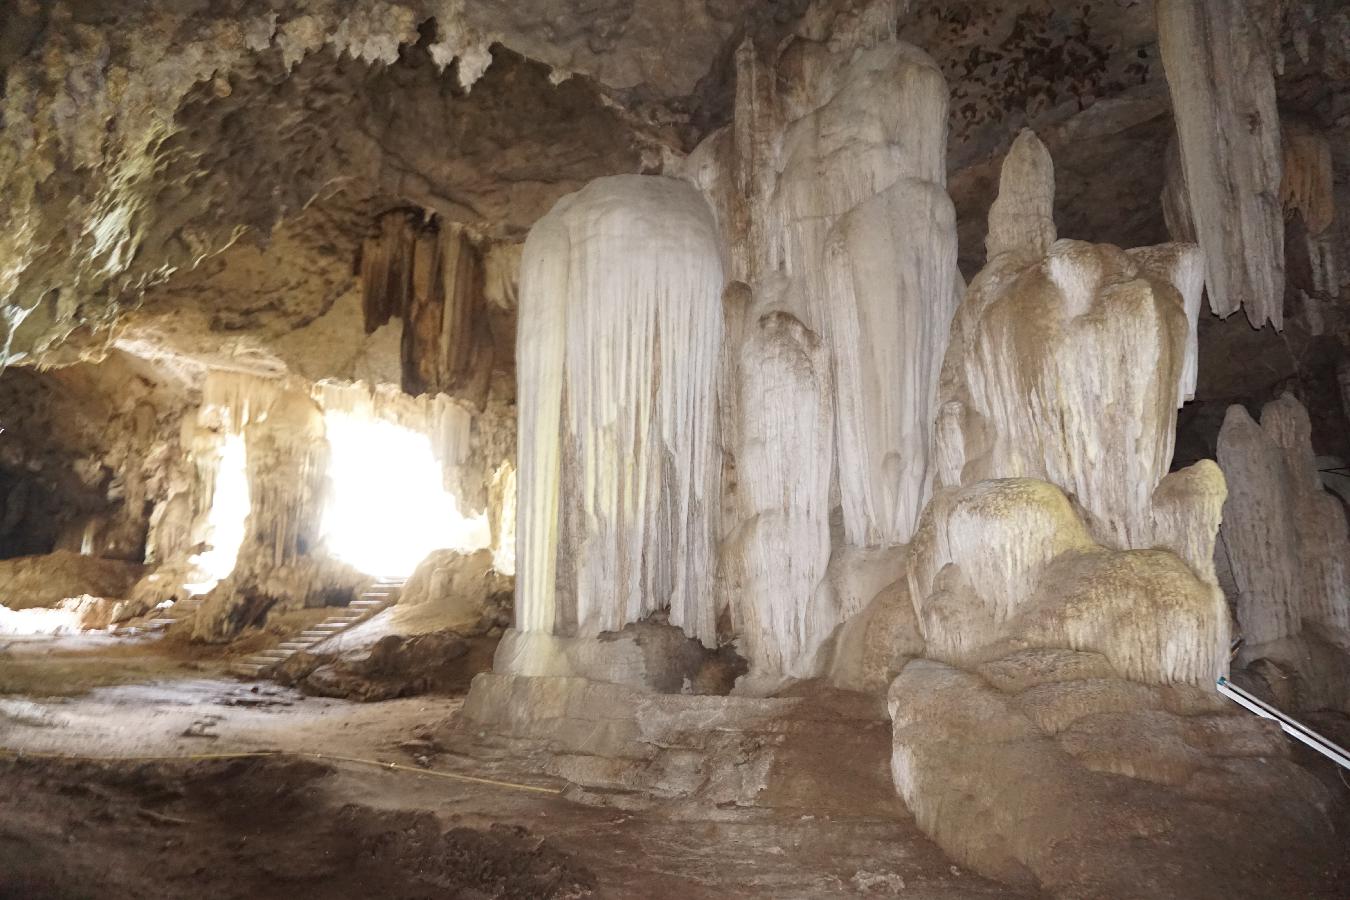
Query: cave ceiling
[[196, 178]]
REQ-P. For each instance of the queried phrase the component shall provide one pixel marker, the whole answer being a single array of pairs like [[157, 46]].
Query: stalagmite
[[1219, 73], [830, 189], [785, 457], [1068, 366], [1023, 215], [1285, 536], [619, 340], [1008, 563]]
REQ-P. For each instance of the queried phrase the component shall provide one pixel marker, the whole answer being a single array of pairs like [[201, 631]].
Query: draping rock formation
[[619, 337], [778, 555], [1220, 70], [829, 192]]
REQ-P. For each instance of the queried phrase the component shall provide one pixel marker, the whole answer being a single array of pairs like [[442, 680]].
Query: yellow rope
[[246, 754]]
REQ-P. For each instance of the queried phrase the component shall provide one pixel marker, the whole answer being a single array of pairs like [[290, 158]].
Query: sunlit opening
[[226, 519], [388, 507], [66, 618]]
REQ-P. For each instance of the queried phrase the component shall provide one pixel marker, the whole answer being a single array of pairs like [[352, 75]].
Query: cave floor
[[291, 825]]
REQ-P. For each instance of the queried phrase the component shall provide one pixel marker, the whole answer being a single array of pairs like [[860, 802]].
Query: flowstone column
[[619, 343], [830, 190]]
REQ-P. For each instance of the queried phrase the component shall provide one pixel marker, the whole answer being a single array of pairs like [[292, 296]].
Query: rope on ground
[[248, 754]]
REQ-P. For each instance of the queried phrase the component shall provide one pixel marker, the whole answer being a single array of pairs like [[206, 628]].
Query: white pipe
[[1292, 727]]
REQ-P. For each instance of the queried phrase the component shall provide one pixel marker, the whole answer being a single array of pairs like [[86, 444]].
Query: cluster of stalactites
[[1283, 535], [619, 338], [433, 277], [285, 453]]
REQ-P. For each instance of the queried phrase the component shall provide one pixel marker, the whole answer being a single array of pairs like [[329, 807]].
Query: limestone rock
[[1004, 565], [1023, 215], [1044, 786], [1219, 72], [829, 190], [1068, 367], [778, 555], [29, 582], [1285, 536], [619, 342]]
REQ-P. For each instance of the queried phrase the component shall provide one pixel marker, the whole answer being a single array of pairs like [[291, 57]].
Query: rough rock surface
[[1220, 71], [44, 581], [625, 747], [1285, 536], [1166, 772]]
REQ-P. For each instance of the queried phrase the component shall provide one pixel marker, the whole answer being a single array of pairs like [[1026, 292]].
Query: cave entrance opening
[[387, 506]]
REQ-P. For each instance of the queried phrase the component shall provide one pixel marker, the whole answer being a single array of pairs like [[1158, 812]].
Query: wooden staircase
[[379, 596]]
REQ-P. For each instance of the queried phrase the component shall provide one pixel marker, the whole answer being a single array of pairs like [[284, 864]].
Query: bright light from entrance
[[387, 507], [227, 519]]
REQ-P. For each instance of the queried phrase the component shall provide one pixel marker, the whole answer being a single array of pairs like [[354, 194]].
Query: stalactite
[[618, 346], [1308, 180], [464, 349], [433, 279], [1219, 73], [1285, 536], [419, 352], [785, 456], [387, 268]]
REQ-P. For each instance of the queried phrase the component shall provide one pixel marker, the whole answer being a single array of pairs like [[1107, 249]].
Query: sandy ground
[[288, 826]]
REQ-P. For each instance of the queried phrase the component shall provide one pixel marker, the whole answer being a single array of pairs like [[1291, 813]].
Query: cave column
[[619, 342]]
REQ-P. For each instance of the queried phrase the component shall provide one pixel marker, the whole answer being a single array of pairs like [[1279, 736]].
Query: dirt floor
[[296, 826]]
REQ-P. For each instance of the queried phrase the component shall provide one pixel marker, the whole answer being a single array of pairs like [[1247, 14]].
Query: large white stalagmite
[[1058, 524], [1219, 72], [1067, 364], [1285, 536], [619, 344]]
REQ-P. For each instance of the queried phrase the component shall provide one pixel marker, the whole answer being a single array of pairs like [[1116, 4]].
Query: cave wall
[[89, 452]]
